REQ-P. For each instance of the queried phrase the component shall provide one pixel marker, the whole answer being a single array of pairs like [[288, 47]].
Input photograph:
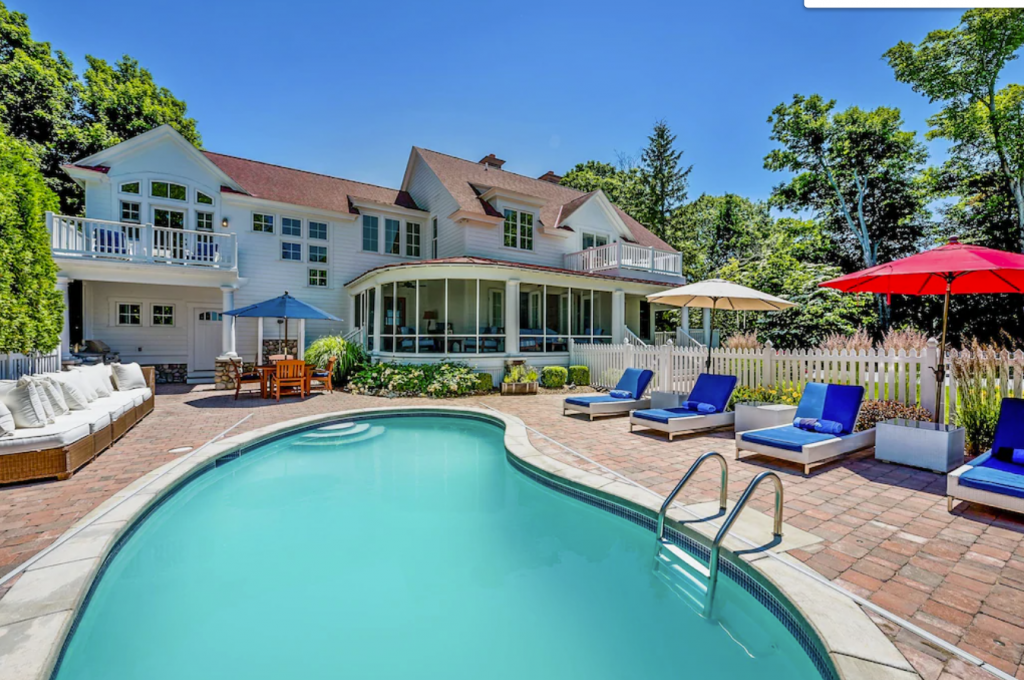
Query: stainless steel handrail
[[722, 495], [727, 525]]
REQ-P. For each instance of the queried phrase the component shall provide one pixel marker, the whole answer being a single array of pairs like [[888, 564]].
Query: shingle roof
[[486, 261], [298, 187], [459, 175]]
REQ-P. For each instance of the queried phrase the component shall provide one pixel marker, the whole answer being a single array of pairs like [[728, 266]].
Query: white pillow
[[41, 397], [23, 403], [128, 376], [54, 393], [74, 386], [6, 421], [97, 379]]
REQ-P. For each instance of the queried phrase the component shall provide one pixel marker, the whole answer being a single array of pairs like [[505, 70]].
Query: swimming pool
[[398, 547]]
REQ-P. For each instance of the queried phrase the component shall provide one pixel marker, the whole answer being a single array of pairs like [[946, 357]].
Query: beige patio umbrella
[[720, 294]]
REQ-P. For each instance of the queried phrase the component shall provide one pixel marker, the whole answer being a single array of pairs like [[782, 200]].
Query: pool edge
[[39, 619]]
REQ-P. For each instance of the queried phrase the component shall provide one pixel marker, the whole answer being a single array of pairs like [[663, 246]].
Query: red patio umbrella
[[952, 269]]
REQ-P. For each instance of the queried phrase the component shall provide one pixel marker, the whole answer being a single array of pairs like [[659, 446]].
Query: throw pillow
[[54, 393], [6, 421], [128, 376], [73, 385], [23, 403]]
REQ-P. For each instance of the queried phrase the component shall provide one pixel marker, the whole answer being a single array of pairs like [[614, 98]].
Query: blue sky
[[347, 88]]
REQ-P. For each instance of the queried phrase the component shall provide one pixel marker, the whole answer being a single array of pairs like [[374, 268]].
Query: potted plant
[[519, 379]]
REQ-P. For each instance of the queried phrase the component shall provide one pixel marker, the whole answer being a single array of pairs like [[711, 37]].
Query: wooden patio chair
[[289, 374], [324, 378], [243, 378]]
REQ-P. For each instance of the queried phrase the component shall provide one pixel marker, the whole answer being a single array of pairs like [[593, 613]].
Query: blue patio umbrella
[[283, 307]]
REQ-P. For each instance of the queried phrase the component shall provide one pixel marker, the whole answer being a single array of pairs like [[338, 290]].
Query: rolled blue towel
[[828, 427], [621, 394], [699, 407], [1018, 456], [805, 423]]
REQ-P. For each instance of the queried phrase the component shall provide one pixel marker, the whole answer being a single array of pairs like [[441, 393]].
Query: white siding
[[430, 195]]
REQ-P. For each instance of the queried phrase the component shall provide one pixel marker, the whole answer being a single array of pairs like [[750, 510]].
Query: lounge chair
[[631, 387], [993, 478], [703, 409], [822, 404]]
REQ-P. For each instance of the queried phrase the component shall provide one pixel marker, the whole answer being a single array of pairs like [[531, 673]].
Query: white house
[[466, 260]]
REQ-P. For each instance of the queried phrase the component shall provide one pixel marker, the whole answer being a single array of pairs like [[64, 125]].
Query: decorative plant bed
[[519, 378], [519, 387]]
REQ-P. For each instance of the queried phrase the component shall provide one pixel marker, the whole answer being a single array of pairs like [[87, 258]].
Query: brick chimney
[[491, 161], [550, 176]]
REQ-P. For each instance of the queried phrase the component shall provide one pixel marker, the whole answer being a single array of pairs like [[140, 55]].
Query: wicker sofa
[[59, 449]]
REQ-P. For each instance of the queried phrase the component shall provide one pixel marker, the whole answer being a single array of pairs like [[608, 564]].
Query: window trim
[[326, 277], [213, 221], [362, 235], [169, 183], [252, 223], [398, 233], [117, 314], [309, 254], [169, 208], [297, 219], [121, 186], [433, 240], [594, 236], [138, 210], [419, 239], [327, 230], [280, 251], [152, 315], [519, 229], [198, 202]]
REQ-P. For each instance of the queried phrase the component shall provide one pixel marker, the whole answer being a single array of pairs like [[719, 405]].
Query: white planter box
[[756, 415], [931, 446]]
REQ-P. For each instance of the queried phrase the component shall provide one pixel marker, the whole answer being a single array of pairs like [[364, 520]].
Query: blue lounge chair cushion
[[786, 437], [635, 381], [699, 407], [838, 403], [989, 473], [1009, 429], [713, 389], [805, 423], [663, 415], [828, 427], [621, 394], [587, 401]]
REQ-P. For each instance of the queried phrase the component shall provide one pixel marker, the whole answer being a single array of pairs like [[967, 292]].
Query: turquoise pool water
[[403, 548]]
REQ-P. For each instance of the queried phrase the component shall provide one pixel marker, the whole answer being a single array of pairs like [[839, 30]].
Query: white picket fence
[[13, 366], [906, 377]]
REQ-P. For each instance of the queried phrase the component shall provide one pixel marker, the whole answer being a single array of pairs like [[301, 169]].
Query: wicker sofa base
[[61, 463]]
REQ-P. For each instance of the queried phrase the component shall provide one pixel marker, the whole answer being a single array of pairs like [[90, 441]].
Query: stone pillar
[[227, 338], [378, 316], [618, 317], [512, 316], [223, 376], [65, 327]]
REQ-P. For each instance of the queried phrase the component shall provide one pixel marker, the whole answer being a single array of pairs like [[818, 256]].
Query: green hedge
[[579, 375], [484, 382], [553, 376]]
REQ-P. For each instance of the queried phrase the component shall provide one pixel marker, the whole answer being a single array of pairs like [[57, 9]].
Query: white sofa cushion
[[6, 421], [127, 376], [61, 433], [44, 400], [97, 418], [55, 393], [98, 377], [74, 386], [22, 401], [114, 406]]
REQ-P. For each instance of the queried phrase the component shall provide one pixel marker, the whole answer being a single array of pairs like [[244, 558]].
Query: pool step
[[687, 577], [360, 433], [332, 432]]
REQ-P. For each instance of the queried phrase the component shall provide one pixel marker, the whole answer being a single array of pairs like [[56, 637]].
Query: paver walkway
[[887, 535]]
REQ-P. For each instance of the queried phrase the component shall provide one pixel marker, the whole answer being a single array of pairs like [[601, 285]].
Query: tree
[[31, 308], [858, 172], [663, 178], [621, 184], [961, 67], [713, 229]]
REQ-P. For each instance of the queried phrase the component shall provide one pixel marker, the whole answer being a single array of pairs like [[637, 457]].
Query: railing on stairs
[[633, 339]]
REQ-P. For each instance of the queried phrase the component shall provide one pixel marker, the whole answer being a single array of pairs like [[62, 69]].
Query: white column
[[512, 316], [618, 317], [707, 326], [65, 327], [378, 316], [684, 320], [302, 339], [227, 337], [259, 341]]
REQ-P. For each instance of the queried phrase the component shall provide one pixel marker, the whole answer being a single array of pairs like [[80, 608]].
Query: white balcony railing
[[625, 256], [80, 237]]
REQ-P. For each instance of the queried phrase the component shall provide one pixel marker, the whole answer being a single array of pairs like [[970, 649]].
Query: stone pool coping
[[38, 612]]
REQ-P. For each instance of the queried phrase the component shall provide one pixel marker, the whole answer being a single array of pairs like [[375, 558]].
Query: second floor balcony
[[609, 258], [85, 238]]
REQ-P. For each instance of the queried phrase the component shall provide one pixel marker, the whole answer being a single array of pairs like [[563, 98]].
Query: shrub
[[349, 355], [903, 338], [769, 394], [554, 377], [520, 373], [579, 375], [874, 411], [837, 342], [742, 341], [484, 382], [446, 379], [976, 370]]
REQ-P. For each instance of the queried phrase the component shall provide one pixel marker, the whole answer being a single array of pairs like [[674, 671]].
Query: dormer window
[[175, 192], [518, 229], [130, 188], [594, 240]]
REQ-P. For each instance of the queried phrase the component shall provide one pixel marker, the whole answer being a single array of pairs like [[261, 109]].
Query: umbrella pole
[[940, 371], [711, 335], [285, 352]]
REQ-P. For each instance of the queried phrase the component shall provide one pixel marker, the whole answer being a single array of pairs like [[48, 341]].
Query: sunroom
[[485, 311]]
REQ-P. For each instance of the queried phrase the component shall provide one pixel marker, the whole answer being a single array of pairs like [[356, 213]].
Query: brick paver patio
[[887, 534]]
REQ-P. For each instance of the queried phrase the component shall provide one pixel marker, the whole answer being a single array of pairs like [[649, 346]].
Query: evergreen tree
[[664, 179]]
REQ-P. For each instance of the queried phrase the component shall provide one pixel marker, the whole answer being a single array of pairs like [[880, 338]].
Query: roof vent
[[550, 176], [491, 161]]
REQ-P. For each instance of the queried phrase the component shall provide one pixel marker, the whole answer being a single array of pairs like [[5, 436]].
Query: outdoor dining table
[[268, 370]]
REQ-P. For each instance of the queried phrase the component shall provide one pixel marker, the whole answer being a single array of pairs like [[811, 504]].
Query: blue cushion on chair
[[988, 473], [713, 389], [839, 403], [663, 415], [1009, 429], [635, 381], [699, 407], [587, 401], [621, 394], [785, 437], [828, 427]]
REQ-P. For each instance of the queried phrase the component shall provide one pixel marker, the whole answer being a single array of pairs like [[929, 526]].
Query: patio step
[[361, 432], [199, 378], [687, 577]]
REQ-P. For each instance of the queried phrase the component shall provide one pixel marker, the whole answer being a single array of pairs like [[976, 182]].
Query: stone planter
[[519, 388]]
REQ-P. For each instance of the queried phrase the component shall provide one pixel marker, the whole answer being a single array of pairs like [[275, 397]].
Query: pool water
[[403, 547]]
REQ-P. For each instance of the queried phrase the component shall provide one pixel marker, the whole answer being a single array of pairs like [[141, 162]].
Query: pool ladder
[[729, 520]]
